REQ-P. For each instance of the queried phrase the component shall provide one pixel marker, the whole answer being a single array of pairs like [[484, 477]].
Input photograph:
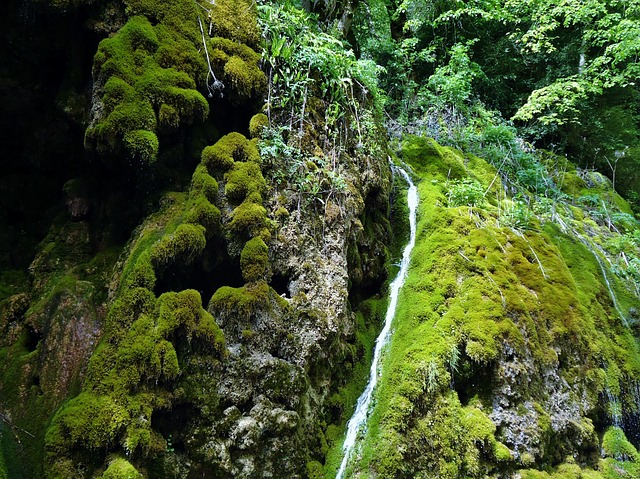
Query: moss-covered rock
[[236, 21], [120, 468], [141, 78], [184, 244], [239, 66], [492, 365], [257, 124], [220, 157], [254, 260]]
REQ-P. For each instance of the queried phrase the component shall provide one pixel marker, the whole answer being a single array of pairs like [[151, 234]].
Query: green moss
[[148, 75], [123, 379], [91, 421], [184, 309], [185, 244], [615, 445], [202, 212], [128, 307], [168, 117], [220, 157], [502, 452], [254, 260], [473, 288], [314, 470], [443, 432], [240, 301], [203, 183], [12, 282], [155, 227], [141, 145], [236, 20], [249, 219], [245, 80], [143, 274], [428, 157], [142, 76], [243, 179], [120, 468], [258, 123], [9, 452]]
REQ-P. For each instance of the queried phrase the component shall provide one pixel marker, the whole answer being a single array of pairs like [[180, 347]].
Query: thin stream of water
[[603, 268], [362, 408]]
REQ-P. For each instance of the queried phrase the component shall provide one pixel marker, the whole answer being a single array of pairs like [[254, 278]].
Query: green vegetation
[[150, 75], [152, 72], [120, 468], [515, 349], [317, 91], [220, 157], [254, 260], [136, 370], [564, 73], [477, 288], [145, 69]]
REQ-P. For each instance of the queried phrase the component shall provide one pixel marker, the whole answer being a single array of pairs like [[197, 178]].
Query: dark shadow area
[[32, 338], [215, 268], [470, 379], [631, 427], [172, 423], [45, 70], [280, 283]]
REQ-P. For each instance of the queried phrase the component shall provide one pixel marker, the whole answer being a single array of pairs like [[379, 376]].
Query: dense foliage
[[564, 72]]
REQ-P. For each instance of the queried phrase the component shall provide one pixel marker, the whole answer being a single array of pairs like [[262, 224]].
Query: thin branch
[[216, 85]]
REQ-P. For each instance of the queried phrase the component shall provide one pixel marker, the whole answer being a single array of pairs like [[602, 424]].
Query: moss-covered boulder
[[511, 348]]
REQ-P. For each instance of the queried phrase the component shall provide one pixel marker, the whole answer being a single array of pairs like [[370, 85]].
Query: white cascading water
[[362, 408]]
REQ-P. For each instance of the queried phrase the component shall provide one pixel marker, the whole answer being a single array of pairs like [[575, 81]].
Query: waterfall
[[362, 407], [615, 408]]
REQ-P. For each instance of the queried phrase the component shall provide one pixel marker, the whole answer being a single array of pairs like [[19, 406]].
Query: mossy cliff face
[[215, 338], [509, 352], [190, 279]]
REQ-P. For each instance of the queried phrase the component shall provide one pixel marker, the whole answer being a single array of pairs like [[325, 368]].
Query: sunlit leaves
[[558, 103]]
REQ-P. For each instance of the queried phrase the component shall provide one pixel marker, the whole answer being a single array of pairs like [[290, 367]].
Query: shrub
[[517, 215], [467, 192]]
